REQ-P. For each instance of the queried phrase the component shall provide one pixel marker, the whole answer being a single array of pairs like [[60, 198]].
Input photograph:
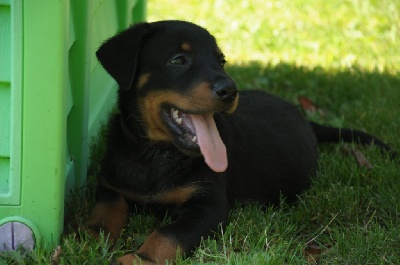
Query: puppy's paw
[[131, 258], [91, 231]]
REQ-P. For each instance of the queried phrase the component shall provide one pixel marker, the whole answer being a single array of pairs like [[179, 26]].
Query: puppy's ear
[[119, 54]]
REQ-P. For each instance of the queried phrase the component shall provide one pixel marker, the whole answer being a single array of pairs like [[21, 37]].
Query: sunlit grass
[[331, 34]]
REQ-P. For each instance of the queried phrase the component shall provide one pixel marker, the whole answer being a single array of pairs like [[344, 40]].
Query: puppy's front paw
[[91, 230], [131, 258]]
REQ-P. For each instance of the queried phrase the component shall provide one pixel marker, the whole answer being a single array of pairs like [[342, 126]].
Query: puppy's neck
[[139, 139]]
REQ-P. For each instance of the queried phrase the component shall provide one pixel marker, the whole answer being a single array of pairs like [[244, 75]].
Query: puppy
[[184, 139]]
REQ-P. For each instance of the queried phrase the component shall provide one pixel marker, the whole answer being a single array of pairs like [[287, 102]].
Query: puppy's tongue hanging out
[[210, 142]]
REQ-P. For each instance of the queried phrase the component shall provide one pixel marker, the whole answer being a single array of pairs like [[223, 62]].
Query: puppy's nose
[[225, 90]]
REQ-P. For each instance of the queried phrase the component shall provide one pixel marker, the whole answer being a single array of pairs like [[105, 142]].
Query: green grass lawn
[[344, 55]]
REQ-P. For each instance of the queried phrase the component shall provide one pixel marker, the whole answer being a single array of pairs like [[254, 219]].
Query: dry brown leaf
[[312, 253], [309, 106], [55, 257], [361, 160]]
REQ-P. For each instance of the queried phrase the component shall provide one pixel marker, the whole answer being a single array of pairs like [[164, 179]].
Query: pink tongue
[[210, 142]]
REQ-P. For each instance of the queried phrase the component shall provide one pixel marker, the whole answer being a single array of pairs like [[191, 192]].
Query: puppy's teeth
[[175, 114], [179, 120], [194, 139]]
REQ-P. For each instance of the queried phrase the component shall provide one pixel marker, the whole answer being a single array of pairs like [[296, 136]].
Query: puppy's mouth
[[196, 134]]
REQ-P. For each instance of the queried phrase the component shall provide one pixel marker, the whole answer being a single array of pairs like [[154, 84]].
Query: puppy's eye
[[178, 60]]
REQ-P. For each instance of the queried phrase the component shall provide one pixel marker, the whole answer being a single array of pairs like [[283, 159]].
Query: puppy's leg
[[110, 214], [155, 250], [199, 217]]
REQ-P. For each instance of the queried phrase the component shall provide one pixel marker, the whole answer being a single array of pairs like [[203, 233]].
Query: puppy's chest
[[162, 178]]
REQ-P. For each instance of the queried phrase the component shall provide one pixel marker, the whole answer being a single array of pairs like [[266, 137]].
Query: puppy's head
[[171, 79]]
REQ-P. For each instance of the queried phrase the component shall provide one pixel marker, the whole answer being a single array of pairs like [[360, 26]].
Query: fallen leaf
[[312, 253], [361, 160], [55, 257], [309, 106]]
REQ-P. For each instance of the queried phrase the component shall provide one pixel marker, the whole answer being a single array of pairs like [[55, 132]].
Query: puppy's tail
[[333, 134]]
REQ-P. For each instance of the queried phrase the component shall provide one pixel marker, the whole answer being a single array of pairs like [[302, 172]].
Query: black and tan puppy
[[186, 140]]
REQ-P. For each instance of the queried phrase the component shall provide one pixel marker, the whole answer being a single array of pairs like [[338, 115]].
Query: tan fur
[[109, 217], [143, 79], [158, 247], [186, 46], [177, 195], [199, 100]]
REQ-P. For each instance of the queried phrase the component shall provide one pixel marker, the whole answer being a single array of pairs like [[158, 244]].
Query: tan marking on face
[[157, 249], [234, 105], [151, 111], [186, 46], [143, 79], [199, 100]]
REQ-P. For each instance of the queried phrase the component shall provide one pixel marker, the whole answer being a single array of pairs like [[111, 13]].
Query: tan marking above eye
[[186, 46]]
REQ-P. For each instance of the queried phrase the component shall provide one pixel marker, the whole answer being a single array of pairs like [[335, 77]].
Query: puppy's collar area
[[139, 140], [132, 137]]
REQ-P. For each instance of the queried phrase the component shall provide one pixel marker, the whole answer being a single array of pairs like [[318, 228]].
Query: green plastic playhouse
[[53, 97]]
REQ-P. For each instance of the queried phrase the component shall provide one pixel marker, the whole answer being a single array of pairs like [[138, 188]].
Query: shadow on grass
[[351, 97]]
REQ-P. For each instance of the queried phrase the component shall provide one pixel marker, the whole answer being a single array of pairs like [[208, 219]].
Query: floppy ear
[[119, 54]]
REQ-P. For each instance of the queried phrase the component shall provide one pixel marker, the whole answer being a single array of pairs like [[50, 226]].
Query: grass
[[344, 55]]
